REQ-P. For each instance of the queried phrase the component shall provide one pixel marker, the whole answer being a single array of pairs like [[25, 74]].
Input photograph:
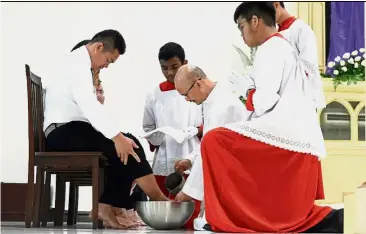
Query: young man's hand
[[124, 147]]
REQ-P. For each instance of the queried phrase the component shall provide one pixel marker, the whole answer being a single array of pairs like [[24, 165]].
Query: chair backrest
[[37, 140]]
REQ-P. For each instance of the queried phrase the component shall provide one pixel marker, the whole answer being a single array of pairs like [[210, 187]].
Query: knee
[[213, 136]]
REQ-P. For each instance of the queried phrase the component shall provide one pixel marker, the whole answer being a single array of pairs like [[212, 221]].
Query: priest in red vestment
[[263, 175]]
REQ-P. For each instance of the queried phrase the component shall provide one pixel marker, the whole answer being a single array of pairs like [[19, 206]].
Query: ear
[[99, 46], [255, 21], [276, 5], [185, 62]]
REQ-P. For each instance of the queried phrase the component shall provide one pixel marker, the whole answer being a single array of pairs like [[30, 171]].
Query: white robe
[[169, 108], [284, 113], [303, 38], [221, 107]]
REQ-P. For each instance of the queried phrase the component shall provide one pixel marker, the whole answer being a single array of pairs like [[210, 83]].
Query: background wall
[[37, 33]]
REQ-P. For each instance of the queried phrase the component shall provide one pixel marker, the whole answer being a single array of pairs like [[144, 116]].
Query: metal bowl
[[165, 215]]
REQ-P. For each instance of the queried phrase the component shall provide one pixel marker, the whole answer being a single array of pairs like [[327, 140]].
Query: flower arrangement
[[350, 68]]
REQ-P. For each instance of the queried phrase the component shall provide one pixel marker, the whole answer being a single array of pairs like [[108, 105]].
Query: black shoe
[[332, 223], [207, 227]]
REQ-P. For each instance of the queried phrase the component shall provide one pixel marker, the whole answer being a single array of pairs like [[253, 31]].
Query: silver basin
[[165, 215]]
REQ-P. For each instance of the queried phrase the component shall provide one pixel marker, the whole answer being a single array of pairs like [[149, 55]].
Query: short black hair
[[171, 50], [80, 44], [264, 10], [282, 4], [111, 40]]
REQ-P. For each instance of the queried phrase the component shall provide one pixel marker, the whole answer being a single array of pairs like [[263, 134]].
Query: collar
[[166, 86], [215, 93], [286, 23]]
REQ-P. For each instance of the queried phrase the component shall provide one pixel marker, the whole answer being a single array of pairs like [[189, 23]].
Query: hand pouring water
[[174, 183]]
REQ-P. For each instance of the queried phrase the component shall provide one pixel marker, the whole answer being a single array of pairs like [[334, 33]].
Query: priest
[[263, 174], [220, 106]]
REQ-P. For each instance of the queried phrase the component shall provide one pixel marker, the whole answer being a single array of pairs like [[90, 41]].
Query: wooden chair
[[78, 168]]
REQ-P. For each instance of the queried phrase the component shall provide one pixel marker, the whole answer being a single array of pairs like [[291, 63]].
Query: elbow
[[264, 103]]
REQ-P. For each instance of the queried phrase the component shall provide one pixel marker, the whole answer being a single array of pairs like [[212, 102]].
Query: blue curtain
[[347, 28]]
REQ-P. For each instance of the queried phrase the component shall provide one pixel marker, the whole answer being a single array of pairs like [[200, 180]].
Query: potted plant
[[348, 69]]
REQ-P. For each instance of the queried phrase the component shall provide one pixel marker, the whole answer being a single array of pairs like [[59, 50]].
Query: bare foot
[[132, 214], [123, 218], [105, 213]]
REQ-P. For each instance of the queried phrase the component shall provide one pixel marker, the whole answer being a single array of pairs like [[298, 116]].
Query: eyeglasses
[[191, 87]]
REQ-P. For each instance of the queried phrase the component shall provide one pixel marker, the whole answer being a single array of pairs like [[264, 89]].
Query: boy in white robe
[[263, 175], [303, 38], [166, 107]]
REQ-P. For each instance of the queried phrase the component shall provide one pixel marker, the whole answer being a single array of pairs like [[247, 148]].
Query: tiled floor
[[14, 228]]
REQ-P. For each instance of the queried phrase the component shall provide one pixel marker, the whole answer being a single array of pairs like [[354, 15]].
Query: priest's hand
[[183, 165], [124, 147], [181, 197]]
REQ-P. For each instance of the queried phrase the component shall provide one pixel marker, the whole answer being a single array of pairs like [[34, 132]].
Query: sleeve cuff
[[193, 192]]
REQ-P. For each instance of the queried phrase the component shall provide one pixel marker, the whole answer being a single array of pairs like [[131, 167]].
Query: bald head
[[187, 74]]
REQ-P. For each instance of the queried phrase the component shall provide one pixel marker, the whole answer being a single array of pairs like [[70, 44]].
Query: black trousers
[[81, 136]]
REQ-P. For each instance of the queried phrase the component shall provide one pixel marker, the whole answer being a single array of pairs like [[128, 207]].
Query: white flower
[[354, 53], [363, 63], [346, 55], [344, 69], [356, 65], [364, 56], [335, 72], [337, 59], [358, 58], [342, 62], [362, 50], [351, 61], [331, 64]]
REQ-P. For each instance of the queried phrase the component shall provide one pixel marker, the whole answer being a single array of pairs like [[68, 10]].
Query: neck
[[210, 86], [89, 48], [266, 33], [284, 15]]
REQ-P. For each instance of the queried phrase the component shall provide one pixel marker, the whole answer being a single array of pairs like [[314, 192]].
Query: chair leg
[[60, 201], [30, 198], [38, 196], [72, 210], [46, 205], [76, 207], [101, 190], [95, 184]]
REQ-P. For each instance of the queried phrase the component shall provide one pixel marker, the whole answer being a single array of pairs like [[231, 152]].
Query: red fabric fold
[[249, 103], [250, 186], [286, 24]]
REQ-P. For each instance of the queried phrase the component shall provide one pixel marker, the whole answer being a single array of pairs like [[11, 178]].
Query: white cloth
[[70, 95], [284, 114], [221, 107], [169, 108], [303, 38]]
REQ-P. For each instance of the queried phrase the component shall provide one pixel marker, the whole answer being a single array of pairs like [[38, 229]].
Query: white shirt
[[169, 108], [221, 107], [70, 95], [284, 113], [303, 38]]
